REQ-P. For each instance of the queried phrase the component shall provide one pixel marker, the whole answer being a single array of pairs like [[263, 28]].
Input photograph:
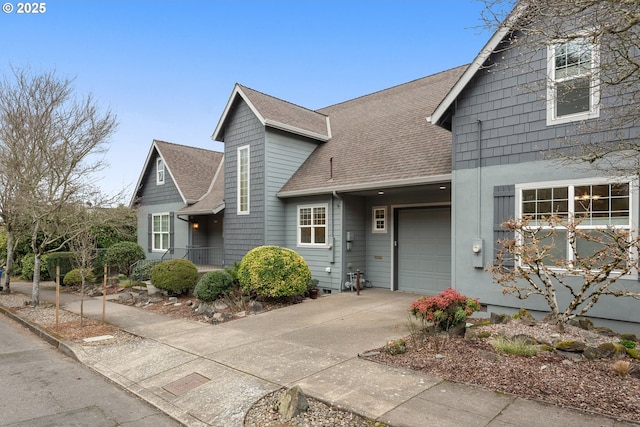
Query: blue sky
[[167, 68]]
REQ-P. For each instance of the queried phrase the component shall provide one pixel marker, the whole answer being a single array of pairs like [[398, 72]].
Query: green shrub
[[74, 277], [233, 272], [273, 271], [517, 346], [28, 266], [142, 270], [124, 254], [177, 276], [64, 259], [212, 285], [628, 343]]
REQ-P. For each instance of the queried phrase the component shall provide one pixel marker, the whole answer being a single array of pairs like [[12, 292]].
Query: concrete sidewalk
[[210, 375]]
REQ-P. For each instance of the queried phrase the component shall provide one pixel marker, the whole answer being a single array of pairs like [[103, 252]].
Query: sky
[[167, 68]]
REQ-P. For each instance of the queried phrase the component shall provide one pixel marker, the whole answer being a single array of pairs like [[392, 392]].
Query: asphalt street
[[40, 386]]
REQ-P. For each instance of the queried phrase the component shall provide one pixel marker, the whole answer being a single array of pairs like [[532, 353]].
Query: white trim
[[374, 219], [153, 232], [313, 226], [239, 180], [160, 162], [368, 186], [594, 87]]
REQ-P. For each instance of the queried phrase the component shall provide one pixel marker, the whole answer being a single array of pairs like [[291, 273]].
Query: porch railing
[[200, 256]]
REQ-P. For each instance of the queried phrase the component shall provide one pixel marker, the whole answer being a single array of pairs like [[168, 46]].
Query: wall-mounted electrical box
[[350, 236], [477, 247]]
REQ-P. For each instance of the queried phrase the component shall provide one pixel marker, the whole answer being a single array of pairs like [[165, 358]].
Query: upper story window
[[160, 231], [595, 205], [573, 89], [379, 219], [243, 180], [159, 171], [312, 225]]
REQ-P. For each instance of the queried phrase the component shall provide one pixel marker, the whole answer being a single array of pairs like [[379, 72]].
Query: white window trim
[[153, 232], [239, 181], [161, 170], [326, 226], [594, 110], [634, 194], [374, 219]]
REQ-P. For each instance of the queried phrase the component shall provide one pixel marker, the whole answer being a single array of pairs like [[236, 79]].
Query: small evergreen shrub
[[447, 309], [64, 259], [124, 254], [177, 276], [213, 285], [142, 270], [273, 271], [28, 265], [628, 343], [74, 277]]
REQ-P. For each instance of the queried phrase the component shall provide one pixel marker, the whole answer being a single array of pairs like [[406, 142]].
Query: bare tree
[[532, 262], [53, 144], [611, 143]]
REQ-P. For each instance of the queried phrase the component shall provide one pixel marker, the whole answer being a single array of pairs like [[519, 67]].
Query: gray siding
[[243, 232], [284, 155], [355, 220], [320, 258], [154, 194]]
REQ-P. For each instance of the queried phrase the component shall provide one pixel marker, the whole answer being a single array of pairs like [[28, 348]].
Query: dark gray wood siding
[[243, 232], [154, 194]]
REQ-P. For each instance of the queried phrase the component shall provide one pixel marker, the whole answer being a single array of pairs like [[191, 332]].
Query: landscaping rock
[[205, 309], [125, 297], [525, 339], [292, 403], [489, 356], [497, 319], [526, 318], [457, 330], [592, 353], [220, 305], [605, 331], [582, 323], [629, 337], [571, 346], [255, 307]]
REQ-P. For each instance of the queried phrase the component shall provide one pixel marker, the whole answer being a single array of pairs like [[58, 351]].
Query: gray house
[[505, 118], [362, 185], [180, 203]]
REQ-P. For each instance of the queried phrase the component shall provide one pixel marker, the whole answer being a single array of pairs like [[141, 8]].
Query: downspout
[[479, 178], [334, 194]]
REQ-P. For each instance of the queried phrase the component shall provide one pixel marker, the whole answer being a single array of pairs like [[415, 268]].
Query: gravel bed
[[319, 414]]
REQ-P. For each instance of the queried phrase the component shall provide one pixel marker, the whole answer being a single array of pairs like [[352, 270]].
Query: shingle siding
[[153, 193], [243, 232]]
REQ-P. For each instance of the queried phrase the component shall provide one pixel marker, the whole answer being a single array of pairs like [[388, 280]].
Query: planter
[[313, 293]]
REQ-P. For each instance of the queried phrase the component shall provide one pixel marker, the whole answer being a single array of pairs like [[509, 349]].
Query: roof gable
[[441, 115], [192, 169], [276, 113]]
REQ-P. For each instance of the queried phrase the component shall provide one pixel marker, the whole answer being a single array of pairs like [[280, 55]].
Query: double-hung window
[[159, 171], [160, 231], [573, 89], [593, 205], [312, 225], [243, 180]]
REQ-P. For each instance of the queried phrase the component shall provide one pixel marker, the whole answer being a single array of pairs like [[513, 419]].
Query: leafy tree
[[50, 145], [123, 255]]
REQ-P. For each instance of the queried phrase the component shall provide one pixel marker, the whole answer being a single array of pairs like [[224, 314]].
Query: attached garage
[[422, 249]]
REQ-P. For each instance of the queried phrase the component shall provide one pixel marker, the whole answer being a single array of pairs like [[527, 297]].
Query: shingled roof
[[213, 200], [191, 168], [276, 113], [381, 140]]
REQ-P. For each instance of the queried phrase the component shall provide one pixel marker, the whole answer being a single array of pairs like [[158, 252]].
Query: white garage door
[[424, 249]]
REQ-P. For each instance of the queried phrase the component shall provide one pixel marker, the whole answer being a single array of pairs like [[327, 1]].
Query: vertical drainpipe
[[479, 178]]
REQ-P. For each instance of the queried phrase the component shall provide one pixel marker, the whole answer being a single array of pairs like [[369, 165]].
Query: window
[[160, 232], [572, 93], [597, 204], [312, 225], [159, 171], [243, 180], [379, 219]]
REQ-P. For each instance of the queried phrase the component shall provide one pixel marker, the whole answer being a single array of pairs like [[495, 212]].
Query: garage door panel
[[424, 249]]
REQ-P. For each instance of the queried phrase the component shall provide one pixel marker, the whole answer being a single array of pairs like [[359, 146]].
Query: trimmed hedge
[[177, 276], [273, 271], [212, 285], [64, 259], [123, 255]]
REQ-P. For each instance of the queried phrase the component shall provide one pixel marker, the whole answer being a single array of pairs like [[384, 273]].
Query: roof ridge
[[392, 87], [282, 100], [187, 146]]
